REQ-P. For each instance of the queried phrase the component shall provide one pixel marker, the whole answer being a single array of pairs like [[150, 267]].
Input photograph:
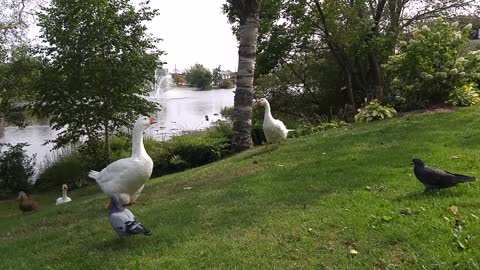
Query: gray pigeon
[[123, 221], [434, 178]]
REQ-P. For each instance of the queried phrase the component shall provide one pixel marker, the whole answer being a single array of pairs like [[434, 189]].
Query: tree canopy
[[199, 76], [99, 63], [319, 55], [18, 67]]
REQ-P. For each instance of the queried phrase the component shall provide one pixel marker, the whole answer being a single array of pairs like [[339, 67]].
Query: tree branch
[[432, 13]]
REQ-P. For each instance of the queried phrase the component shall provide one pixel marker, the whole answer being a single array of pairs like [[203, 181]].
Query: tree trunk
[[351, 97], [242, 109], [377, 76], [107, 143]]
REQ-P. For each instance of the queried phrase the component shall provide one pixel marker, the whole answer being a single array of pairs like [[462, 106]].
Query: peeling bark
[[242, 112]]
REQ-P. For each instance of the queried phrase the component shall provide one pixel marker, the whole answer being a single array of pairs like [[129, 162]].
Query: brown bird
[[26, 204]]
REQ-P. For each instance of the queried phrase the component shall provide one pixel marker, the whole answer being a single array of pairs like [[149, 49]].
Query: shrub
[[374, 111], [63, 166], [16, 168], [196, 150], [431, 65], [467, 95], [224, 84], [160, 155]]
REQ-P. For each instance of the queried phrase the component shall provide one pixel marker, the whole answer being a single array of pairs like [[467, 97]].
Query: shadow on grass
[[433, 194]]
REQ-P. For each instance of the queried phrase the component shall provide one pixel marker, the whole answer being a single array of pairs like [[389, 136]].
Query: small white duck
[[274, 129], [64, 198], [126, 177]]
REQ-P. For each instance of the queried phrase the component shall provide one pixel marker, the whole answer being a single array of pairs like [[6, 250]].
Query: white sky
[[194, 31]]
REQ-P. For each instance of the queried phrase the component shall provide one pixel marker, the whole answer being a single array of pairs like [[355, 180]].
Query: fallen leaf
[[454, 209], [368, 188], [280, 165], [187, 188], [387, 218], [457, 156], [353, 252], [473, 215]]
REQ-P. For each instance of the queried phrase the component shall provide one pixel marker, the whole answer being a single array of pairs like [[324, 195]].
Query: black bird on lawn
[[434, 178]]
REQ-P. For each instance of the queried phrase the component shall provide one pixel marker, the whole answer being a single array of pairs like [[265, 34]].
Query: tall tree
[[15, 18], [17, 66], [217, 76], [359, 35], [199, 76], [246, 13], [100, 63], [18, 75]]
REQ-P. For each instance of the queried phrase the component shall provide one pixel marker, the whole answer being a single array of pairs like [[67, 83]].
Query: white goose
[[64, 198], [274, 129], [126, 177]]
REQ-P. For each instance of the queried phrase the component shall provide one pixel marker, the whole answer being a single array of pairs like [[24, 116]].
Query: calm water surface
[[182, 110]]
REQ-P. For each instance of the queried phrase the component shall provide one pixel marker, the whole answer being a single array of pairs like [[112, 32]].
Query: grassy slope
[[302, 205]]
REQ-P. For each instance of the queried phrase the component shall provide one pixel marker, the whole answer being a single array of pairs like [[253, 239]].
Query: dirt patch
[[435, 109]]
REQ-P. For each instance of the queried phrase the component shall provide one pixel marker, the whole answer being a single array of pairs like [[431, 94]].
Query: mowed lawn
[[342, 199]]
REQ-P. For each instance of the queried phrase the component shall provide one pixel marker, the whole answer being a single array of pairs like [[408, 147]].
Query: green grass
[[301, 205]]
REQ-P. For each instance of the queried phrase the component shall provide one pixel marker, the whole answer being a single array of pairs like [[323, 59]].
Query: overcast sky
[[194, 31]]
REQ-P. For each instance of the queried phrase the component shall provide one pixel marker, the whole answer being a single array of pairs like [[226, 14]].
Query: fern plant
[[374, 111], [467, 95]]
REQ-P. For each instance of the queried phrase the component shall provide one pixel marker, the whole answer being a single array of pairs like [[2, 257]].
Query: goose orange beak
[[152, 120]]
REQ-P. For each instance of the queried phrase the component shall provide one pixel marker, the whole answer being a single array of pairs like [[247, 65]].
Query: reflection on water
[[189, 110], [35, 134], [182, 110]]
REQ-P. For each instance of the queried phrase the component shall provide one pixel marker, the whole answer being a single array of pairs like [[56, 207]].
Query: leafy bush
[[197, 150], [64, 166], [431, 65], [467, 95], [224, 84], [16, 168], [374, 111]]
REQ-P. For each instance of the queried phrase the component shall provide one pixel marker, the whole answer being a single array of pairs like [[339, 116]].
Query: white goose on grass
[[64, 198], [126, 177], [274, 129]]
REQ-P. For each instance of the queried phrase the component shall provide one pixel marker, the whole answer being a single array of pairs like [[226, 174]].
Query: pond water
[[182, 110]]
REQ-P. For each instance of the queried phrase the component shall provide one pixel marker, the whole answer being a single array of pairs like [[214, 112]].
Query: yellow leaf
[[454, 209]]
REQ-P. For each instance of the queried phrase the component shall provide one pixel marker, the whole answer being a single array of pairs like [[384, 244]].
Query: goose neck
[[268, 113], [138, 149], [64, 194]]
